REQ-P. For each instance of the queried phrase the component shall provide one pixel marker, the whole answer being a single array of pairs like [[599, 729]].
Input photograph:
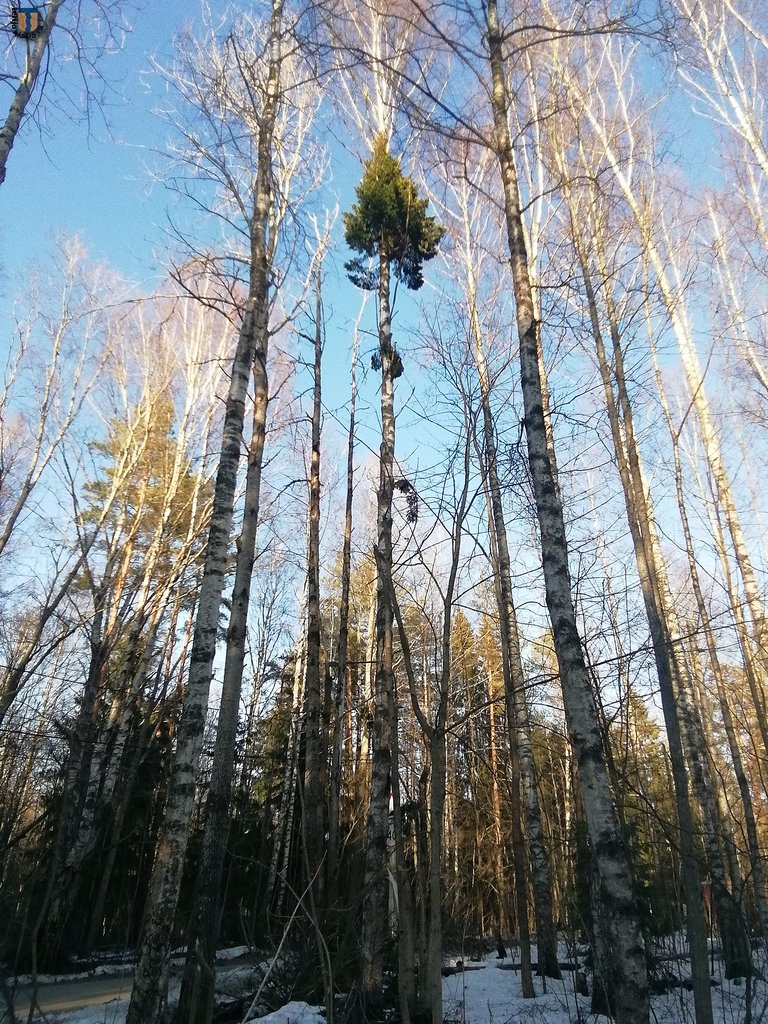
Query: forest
[[386, 580]]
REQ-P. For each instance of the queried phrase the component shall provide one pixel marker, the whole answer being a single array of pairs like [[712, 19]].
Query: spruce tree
[[390, 229], [389, 221]]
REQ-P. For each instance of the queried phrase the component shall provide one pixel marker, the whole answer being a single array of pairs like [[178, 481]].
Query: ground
[[486, 992]]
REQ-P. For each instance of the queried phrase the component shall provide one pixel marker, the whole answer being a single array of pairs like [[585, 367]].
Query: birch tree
[[257, 106], [292, 124], [468, 185], [455, 504], [61, 345], [618, 940], [619, 945], [342, 646], [658, 242], [588, 232], [148, 549], [679, 702]]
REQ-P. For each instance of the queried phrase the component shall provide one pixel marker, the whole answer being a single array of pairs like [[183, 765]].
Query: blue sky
[[96, 183], [93, 183]]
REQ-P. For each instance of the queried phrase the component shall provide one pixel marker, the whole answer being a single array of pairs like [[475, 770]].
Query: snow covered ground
[[492, 995], [489, 993]]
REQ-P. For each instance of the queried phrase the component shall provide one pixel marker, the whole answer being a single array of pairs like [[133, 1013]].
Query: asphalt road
[[60, 996], [70, 995]]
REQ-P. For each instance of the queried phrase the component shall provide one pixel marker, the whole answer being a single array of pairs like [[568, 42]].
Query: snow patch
[[234, 953], [293, 1013]]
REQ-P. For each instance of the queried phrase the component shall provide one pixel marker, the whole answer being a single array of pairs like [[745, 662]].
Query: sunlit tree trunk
[[756, 859], [375, 886], [151, 981], [671, 285], [522, 764], [619, 948], [731, 923], [313, 795], [200, 968], [36, 52], [639, 520]]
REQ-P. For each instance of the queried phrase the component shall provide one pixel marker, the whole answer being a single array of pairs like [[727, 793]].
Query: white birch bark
[[281, 841], [586, 233], [313, 805], [620, 950], [334, 796], [756, 858], [522, 763], [672, 289], [151, 981], [200, 972]]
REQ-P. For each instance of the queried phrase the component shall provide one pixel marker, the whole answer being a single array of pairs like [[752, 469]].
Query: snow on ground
[[294, 1013], [234, 953], [489, 992], [493, 995]]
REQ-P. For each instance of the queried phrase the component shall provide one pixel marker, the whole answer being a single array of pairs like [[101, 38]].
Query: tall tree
[[342, 646], [314, 743], [390, 228], [467, 188], [619, 946], [149, 990], [587, 229]]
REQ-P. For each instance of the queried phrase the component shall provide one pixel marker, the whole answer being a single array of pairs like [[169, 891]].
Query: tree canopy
[[389, 221]]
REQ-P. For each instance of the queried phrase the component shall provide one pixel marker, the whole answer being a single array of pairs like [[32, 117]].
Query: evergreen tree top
[[390, 220]]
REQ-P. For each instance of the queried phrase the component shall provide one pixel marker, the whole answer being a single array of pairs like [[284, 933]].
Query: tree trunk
[[433, 995], [620, 951], [314, 797], [78, 768], [638, 518], [293, 684], [522, 762], [334, 796], [106, 765], [498, 860], [151, 982], [406, 924], [374, 921], [97, 911], [731, 924], [670, 288], [756, 860], [200, 968]]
